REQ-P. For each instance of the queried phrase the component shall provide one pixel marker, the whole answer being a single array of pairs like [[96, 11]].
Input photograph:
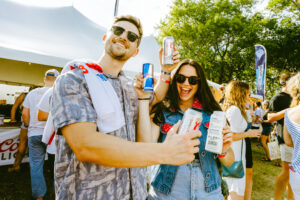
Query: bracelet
[[222, 155], [164, 80], [144, 98], [166, 73]]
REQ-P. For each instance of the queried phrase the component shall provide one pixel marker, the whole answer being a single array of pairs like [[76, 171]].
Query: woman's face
[[186, 90]]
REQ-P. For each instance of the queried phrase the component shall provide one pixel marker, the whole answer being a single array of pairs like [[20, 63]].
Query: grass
[[16, 185], [264, 174]]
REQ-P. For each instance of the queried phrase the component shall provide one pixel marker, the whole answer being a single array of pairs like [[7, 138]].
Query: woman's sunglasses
[[117, 30], [193, 80]]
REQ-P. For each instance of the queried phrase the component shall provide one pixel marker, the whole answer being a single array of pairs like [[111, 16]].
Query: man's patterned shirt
[[72, 103]]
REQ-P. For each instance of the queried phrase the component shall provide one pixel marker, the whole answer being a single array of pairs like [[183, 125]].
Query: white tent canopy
[[34, 38]]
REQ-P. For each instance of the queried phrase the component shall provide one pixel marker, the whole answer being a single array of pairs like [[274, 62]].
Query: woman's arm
[[147, 131], [236, 119], [272, 117], [162, 87], [252, 133], [18, 101]]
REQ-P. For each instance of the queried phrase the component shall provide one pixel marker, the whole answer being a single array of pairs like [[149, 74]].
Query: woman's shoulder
[[293, 114], [233, 112], [233, 109]]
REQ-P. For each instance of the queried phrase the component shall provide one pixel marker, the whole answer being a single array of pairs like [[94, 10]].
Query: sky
[[150, 12]]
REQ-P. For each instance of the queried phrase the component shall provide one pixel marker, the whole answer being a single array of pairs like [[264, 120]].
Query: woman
[[199, 179], [267, 129], [16, 112], [291, 133], [236, 96]]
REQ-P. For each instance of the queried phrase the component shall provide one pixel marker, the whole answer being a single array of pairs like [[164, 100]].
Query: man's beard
[[121, 57]]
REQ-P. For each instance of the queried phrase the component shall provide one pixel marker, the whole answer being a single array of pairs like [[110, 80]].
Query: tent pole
[[116, 8]]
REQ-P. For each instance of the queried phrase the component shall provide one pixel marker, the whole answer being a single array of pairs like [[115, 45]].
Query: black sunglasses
[[117, 30], [193, 80]]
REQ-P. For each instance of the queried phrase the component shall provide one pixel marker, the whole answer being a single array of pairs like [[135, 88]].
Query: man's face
[[118, 46]]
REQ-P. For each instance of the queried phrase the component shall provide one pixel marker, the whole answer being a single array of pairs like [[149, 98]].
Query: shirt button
[[208, 175], [203, 153]]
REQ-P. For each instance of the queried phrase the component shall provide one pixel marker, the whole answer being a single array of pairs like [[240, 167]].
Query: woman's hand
[[227, 140], [254, 133], [176, 60]]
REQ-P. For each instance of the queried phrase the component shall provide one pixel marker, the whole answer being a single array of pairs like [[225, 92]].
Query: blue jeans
[[37, 151], [188, 184]]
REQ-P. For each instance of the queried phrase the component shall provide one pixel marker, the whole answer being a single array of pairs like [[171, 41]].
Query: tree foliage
[[221, 34]]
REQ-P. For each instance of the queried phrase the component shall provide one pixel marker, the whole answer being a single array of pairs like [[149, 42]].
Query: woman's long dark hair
[[203, 94]]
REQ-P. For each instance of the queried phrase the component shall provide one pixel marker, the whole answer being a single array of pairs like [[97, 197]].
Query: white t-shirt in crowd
[[44, 105], [260, 113], [31, 101], [238, 124]]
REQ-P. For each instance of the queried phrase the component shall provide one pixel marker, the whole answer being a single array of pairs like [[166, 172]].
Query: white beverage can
[[191, 121], [168, 49], [214, 140]]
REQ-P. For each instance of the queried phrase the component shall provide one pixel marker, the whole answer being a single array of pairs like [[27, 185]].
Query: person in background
[[43, 113], [237, 93], [278, 105], [16, 110], [267, 129], [37, 148], [23, 138], [291, 133]]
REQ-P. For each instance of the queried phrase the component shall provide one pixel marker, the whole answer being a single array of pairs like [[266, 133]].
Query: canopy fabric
[[45, 36]]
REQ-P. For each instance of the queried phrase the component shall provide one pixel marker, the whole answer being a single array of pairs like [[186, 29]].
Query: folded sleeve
[[236, 120]]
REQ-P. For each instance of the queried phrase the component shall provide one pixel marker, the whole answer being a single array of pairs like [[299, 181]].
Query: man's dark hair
[[203, 94], [135, 21], [258, 103]]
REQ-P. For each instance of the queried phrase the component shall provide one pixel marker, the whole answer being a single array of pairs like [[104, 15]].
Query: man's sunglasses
[[193, 80], [117, 30]]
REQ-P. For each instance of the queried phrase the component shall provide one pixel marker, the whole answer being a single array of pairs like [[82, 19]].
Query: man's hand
[[227, 140], [180, 149], [176, 59]]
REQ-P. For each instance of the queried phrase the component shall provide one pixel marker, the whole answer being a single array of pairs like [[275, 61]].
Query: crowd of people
[[108, 130]]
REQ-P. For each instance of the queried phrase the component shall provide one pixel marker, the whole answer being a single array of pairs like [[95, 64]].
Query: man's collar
[[114, 76]]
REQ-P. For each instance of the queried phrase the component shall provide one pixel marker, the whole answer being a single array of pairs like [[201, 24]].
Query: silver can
[[168, 49], [191, 121]]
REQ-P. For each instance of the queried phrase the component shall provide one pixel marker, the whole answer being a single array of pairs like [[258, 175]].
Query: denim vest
[[165, 175]]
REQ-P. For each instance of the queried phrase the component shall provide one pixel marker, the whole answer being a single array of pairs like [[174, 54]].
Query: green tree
[[221, 35]]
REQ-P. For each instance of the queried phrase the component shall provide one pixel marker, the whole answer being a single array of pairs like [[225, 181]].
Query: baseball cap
[[52, 72]]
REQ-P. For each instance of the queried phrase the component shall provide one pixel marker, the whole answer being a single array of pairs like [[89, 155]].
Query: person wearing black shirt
[[278, 105]]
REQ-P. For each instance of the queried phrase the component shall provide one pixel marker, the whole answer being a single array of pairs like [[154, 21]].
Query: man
[[43, 112], [278, 105], [90, 164], [35, 131], [258, 115]]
